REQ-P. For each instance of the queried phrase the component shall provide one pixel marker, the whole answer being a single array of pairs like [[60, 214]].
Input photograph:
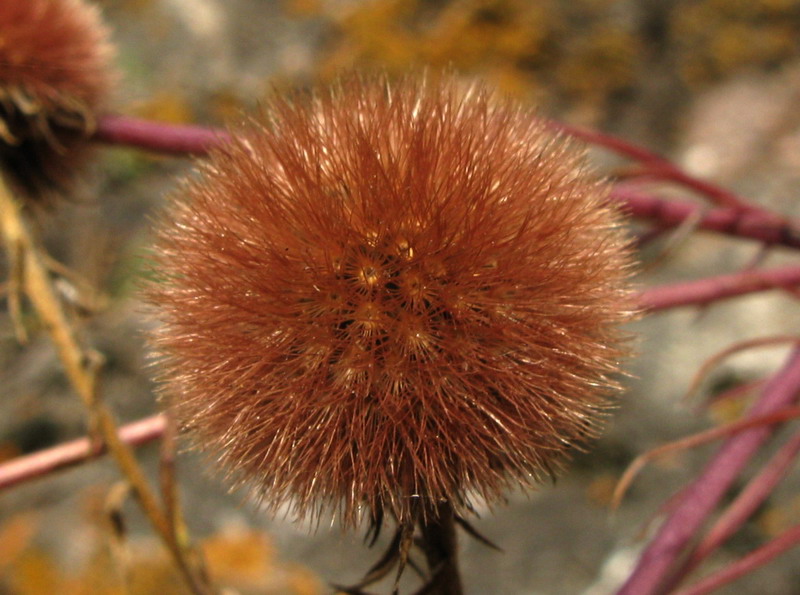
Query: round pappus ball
[[382, 296], [55, 77]]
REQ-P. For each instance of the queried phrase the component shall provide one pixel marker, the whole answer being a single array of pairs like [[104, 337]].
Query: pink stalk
[[700, 498], [658, 167], [712, 289], [784, 542], [159, 137], [752, 496], [38, 464], [764, 227]]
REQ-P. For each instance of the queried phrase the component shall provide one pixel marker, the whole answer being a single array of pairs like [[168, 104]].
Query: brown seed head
[[388, 295], [54, 78]]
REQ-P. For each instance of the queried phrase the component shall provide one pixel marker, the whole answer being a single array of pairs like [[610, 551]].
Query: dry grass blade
[[115, 500], [82, 371]]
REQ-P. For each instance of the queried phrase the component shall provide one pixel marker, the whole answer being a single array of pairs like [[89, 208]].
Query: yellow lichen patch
[[600, 62], [15, 537], [166, 106], [245, 560], [716, 37], [302, 8], [580, 55], [239, 556]]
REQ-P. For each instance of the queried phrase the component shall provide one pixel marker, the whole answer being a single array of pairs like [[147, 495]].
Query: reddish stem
[[712, 289], [698, 292], [700, 498], [752, 496], [658, 167], [764, 227], [172, 139], [38, 464], [784, 542]]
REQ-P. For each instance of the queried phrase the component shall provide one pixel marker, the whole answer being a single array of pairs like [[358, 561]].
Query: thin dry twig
[[717, 358], [81, 368]]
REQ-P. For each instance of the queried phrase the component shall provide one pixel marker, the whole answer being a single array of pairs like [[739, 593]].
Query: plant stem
[[43, 463], [771, 229], [657, 167], [441, 550], [654, 571], [81, 367], [712, 289], [160, 137]]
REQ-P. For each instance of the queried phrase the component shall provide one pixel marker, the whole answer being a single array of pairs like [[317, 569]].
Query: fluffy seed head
[[54, 78], [384, 296]]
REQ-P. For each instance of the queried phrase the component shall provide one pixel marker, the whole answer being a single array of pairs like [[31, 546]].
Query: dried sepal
[[384, 296], [55, 77]]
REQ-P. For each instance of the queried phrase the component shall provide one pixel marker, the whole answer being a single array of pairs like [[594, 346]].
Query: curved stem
[[767, 228], [656, 166]]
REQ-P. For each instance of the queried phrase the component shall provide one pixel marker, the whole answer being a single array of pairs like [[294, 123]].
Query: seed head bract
[[55, 76], [381, 296]]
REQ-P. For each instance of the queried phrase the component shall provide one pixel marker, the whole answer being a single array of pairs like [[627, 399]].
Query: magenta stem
[[701, 497], [27, 467], [172, 139], [766, 553], [764, 227], [752, 496], [657, 167], [712, 289]]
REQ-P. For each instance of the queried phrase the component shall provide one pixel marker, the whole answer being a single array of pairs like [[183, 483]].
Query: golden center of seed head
[[388, 296], [368, 275]]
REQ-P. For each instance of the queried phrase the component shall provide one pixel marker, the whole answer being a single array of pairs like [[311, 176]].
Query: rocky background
[[714, 84]]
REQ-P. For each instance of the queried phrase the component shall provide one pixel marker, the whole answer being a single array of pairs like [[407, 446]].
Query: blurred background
[[714, 84]]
